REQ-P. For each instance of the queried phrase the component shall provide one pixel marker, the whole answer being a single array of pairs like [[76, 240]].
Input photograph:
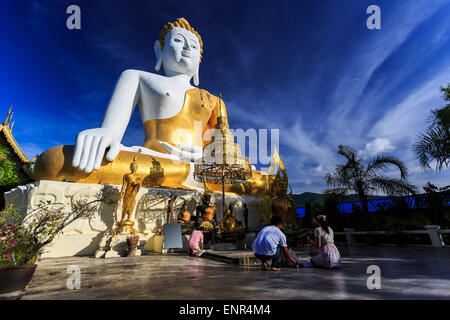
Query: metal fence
[[433, 231]]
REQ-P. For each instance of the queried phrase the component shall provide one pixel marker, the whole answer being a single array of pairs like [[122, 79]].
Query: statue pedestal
[[125, 227], [115, 246], [86, 237]]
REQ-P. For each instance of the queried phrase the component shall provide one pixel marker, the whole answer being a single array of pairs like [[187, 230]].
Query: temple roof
[[6, 130]]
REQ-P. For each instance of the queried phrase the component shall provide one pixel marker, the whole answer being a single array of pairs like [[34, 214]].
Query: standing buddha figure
[[130, 188]]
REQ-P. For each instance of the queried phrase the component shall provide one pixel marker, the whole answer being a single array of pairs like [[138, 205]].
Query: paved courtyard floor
[[406, 273]]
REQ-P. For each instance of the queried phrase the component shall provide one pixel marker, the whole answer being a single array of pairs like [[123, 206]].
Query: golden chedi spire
[[223, 151], [221, 120]]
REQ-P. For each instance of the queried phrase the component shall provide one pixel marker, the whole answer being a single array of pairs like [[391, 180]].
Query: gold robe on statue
[[199, 105]]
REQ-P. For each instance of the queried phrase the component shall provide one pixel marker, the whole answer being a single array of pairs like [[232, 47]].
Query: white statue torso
[[160, 97]]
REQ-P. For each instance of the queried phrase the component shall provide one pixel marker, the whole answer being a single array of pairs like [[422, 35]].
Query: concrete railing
[[433, 232]]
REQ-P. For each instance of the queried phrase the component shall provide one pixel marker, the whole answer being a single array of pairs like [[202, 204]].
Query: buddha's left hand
[[184, 151]]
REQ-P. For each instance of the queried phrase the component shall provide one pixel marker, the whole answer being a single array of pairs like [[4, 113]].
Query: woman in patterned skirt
[[328, 255]]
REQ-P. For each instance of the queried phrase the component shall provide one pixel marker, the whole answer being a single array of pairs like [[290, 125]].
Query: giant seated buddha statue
[[176, 117]]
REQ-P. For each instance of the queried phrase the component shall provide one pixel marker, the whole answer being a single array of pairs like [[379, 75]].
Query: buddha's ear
[[196, 81], [158, 53]]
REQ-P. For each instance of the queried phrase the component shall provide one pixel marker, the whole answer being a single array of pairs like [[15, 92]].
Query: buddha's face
[[181, 54]]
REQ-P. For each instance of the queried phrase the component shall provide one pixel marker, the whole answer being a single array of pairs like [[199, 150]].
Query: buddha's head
[[179, 49]]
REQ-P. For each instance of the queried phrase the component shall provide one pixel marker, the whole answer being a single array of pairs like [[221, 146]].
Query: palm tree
[[366, 178], [434, 144]]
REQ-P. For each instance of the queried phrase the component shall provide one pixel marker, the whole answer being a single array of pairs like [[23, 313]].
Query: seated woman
[[328, 255], [196, 240]]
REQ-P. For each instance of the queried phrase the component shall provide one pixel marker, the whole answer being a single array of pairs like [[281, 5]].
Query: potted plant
[[23, 239]]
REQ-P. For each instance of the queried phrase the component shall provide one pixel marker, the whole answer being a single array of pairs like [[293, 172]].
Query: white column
[[435, 235], [349, 236]]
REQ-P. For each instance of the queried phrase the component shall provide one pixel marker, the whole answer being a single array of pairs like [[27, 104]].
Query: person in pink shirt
[[195, 241]]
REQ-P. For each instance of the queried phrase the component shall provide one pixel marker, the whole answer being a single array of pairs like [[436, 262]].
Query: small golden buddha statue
[[130, 188], [206, 211], [184, 215], [228, 222]]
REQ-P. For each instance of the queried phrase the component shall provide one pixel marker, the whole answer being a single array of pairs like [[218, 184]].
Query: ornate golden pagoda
[[222, 160]]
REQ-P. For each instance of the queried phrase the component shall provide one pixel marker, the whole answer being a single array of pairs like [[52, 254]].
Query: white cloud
[[378, 145], [408, 118], [349, 91], [299, 140]]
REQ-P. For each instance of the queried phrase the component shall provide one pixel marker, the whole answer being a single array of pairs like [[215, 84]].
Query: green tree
[[8, 170], [432, 203], [364, 178], [334, 215], [434, 144]]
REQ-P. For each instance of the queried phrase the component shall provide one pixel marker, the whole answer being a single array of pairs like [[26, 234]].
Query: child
[[328, 255], [196, 240]]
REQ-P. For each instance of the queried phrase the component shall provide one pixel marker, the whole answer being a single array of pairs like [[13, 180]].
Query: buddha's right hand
[[90, 148]]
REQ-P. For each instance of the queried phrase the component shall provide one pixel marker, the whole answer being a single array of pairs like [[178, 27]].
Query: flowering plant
[[22, 239], [14, 243]]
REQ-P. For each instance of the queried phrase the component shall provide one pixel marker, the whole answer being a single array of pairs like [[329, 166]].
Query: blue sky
[[311, 69]]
